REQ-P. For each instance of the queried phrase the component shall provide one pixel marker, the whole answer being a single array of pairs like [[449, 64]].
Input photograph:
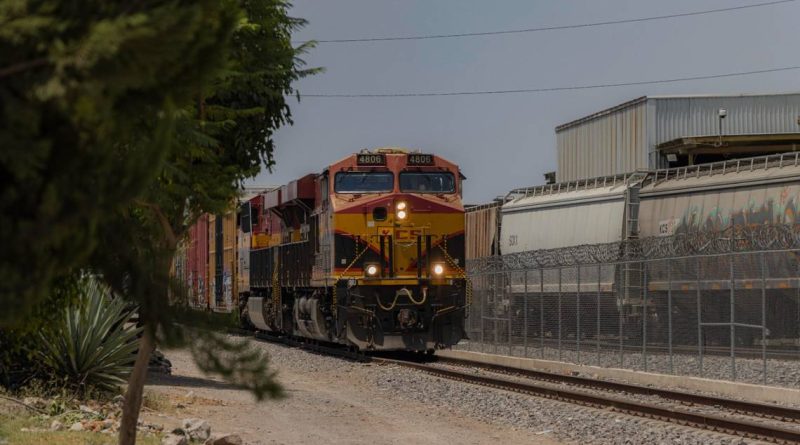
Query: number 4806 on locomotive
[[368, 253]]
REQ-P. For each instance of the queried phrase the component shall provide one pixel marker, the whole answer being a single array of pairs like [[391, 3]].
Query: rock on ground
[[174, 439], [197, 429], [231, 439]]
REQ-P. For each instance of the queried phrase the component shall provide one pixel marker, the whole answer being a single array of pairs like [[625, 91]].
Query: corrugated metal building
[[629, 136]]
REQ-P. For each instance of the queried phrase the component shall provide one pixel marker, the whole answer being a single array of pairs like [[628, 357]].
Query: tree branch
[[22, 66], [32, 408], [172, 239]]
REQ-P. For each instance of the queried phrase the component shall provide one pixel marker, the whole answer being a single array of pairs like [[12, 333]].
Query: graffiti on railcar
[[780, 209]]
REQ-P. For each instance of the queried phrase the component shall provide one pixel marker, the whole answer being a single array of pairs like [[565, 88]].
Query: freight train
[[368, 253], [691, 213]]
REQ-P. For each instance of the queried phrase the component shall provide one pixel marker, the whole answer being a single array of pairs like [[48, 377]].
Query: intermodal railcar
[[367, 253]]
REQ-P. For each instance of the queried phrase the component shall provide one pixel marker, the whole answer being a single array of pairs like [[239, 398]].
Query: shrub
[[92, 344]]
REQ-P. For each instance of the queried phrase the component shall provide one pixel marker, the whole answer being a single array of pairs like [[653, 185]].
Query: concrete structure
[[640, 134]]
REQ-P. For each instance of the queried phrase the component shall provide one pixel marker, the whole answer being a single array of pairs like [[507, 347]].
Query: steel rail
[[755, 409], [330, 349], [739, 427]]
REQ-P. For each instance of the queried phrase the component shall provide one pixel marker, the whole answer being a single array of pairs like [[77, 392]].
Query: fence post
[[510, 311], [483, 316], [541, 312], [621, 310], [733, 320], [699, 319], [764, 315], [559, 313], [578, 316], [494, 310], [669, 314], [597, 335], [525, 316], [644, 317]]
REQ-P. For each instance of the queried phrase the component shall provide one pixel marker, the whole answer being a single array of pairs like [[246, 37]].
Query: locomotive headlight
[[438, 269], [402, 210], [372, 270]]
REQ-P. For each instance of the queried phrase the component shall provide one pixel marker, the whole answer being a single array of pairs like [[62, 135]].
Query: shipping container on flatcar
[[196, 280], [222, 265]]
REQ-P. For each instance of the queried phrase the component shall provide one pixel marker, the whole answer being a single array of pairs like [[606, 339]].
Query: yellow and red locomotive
[[368, 253]]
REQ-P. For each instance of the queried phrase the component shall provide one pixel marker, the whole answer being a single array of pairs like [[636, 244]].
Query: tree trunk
[[133, 395]]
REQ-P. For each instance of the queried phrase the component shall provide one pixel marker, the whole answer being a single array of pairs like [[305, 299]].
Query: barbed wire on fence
[[752, 238]]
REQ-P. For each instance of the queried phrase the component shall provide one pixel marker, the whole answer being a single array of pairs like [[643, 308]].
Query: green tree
[[220, 140], [84, 90]]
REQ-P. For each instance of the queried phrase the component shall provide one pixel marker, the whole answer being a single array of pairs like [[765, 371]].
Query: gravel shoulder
[[329, 401], [338, 402]]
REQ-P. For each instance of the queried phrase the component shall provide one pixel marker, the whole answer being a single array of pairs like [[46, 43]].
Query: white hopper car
[[682, 212]]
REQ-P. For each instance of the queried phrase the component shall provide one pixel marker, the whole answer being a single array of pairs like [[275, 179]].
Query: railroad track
[[766, 422], [306, 344], [783, 425]]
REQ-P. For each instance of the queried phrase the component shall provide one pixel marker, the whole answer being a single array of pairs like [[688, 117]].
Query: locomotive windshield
[[363, 182], [427, 182]]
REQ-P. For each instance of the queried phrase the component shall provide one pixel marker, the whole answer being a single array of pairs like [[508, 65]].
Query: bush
[[20, 365], [92, 344]]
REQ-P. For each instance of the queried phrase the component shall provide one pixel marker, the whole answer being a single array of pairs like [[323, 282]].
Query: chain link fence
[[722, 306]]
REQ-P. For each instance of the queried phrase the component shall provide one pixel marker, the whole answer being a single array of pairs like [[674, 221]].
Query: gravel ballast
[[535, 416]]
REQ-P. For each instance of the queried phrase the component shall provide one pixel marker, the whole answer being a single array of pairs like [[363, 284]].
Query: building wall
[[610, 144], [624, 138]]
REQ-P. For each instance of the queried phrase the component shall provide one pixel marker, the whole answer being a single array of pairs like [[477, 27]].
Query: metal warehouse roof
[[641, 99], [630, 136]]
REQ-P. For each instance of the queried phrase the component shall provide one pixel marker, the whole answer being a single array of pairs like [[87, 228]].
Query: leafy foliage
[[92, 344], [236, 360], [85, 88], [124, 121], [19, 364], [221, 139]]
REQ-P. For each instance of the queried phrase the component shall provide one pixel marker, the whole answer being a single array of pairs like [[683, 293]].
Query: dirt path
[[332, 402]]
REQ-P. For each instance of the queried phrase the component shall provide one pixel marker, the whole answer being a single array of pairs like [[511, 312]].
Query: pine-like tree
[[84, 92], [220, 140]]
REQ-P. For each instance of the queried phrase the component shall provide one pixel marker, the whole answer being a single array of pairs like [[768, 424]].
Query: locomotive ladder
[[632, 285]]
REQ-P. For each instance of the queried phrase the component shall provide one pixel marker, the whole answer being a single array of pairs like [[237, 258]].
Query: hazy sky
[[507, 141]]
